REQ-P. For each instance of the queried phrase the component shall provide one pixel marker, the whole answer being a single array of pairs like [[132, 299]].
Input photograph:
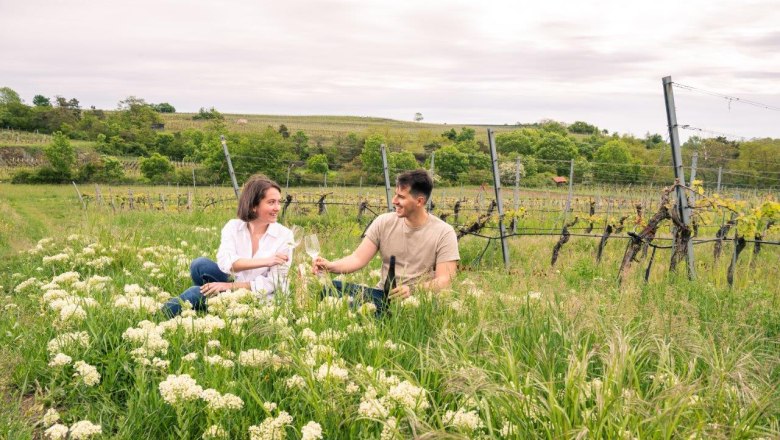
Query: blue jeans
[[202, 271], [367, 294]]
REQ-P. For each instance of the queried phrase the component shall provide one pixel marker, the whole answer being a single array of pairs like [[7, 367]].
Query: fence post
[[98, 196], [230, 164], [694, 161], [387, 177], [679, 172], [499, 201], [720, 172], [430, 200], [81, 199], [516, 205], [571, 184]]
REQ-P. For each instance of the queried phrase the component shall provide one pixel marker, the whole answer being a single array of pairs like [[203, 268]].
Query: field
[[535, 351]]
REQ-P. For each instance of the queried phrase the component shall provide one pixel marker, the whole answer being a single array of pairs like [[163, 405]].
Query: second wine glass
[[312, 245]]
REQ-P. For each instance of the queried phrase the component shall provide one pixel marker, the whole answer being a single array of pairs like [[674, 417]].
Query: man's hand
[[400, 292], [211, 289], [319, 265]]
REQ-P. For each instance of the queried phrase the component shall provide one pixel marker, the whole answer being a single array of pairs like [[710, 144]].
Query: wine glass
[[297, 233], [312, 245]]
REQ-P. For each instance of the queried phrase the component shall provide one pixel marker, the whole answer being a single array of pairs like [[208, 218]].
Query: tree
[[371, 157], [558, 150], [450, 162], [61, 155], [402, 161], [318, 164], [581, 127], [9, 96], [466, 134], [523, 141], [211, 113], [615, 163], [156, 167], [41, 101], [164, 107], [418, 117], [300, 144], [553, 127]]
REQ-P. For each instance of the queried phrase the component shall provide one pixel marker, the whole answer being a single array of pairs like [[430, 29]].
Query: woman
[[254, 249]]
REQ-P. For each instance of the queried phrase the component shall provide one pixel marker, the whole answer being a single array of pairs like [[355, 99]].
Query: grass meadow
[[532, 351]]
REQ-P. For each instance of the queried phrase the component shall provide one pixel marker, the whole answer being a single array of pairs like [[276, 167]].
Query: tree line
[[545, 150]]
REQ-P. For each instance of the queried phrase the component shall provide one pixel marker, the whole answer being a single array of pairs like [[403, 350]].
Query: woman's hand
[[211, 289], [276, 260]]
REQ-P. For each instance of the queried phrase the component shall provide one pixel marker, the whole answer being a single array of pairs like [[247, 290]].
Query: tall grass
[[532, 352]]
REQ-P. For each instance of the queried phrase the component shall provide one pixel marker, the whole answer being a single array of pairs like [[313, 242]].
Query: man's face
[[405, 203]]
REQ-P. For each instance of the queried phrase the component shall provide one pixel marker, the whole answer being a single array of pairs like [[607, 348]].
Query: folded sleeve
[[448, 247]]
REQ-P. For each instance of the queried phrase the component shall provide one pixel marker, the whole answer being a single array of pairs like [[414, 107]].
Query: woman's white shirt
[[237, 243]]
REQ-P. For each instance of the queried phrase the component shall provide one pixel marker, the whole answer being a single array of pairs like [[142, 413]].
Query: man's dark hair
[[419, 183], [252, 194]]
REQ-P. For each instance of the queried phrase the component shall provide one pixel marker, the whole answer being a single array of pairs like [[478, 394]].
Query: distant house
[[560, 180], [242, 121], [158, 126]]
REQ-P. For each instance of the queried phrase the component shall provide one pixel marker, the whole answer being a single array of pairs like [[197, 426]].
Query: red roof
[[560, 179]]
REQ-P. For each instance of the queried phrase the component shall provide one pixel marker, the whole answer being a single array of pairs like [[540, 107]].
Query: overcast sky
[[455, 61]]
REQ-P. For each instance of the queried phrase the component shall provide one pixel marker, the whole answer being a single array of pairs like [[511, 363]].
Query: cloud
[[497, 61]]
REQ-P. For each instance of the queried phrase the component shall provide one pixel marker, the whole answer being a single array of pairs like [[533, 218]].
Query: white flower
[[66, 278], [213, 344], [508, 430], [84, 429], [269, 406], [25, 284], [219, 360], [56, 258], [60, 360], [295, 381], [352, 388], [56, 345], [57, 432], [190, 357], [178, 389], [372, 408], [217, 401], [389, 430], [463, 420], [271, 428], [215, 432], [411, 302], [311, 431], [72, 312], [51, 417], [331, 371], [408, 396], [88, 374]]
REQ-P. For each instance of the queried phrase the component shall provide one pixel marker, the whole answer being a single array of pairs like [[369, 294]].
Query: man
[[424, 246]]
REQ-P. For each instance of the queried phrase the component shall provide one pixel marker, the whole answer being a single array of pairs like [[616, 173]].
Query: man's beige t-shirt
[[417, 250]]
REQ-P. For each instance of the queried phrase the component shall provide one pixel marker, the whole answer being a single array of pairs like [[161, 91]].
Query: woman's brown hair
[[252, 193]]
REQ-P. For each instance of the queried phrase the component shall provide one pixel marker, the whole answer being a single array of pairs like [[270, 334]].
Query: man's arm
[[445, 272], [356, 261]]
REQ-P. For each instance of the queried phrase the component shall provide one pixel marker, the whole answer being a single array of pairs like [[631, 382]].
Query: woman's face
[[269, 206]]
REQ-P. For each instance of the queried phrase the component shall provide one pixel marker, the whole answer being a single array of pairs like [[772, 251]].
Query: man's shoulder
[[386, 218], [440, 224]]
